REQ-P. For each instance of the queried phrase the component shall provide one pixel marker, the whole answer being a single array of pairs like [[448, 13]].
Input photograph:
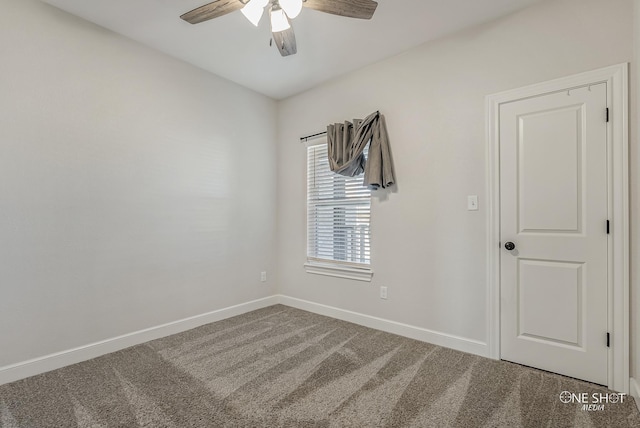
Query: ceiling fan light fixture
[[291, 7], [279, 21], [253, 10]]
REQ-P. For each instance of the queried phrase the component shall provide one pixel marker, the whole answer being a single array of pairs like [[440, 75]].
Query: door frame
[[616, 79]]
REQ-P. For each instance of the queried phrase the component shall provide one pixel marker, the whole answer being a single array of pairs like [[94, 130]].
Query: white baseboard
[[58, 360], [412, 332], [634, 388]]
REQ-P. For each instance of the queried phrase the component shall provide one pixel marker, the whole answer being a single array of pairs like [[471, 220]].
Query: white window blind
[[338, 210]]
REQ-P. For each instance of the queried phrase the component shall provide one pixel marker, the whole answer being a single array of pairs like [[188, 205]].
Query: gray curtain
[[346, 144]]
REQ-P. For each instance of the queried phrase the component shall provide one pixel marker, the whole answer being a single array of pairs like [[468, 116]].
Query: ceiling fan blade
[[361, 9], [212, 10], [286, 42]]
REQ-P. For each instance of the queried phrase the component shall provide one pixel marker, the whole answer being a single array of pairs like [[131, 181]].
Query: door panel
[[550, 296], [553, 193], [550, 186]]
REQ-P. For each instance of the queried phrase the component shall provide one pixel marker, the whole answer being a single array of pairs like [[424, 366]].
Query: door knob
[[510, 246]]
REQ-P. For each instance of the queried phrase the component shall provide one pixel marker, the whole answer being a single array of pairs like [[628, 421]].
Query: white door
[[553, 197]]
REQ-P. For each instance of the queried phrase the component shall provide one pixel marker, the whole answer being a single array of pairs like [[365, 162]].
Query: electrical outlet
[[383, 292], [263, 276]]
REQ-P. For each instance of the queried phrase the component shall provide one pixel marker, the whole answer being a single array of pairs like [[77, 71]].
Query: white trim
[[339, 271], [635, 327], [58, 360], [616, 78], [412, 332], [634, 388]]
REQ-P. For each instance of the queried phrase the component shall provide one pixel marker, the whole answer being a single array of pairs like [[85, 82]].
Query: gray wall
[[135, 189], [426, 247]]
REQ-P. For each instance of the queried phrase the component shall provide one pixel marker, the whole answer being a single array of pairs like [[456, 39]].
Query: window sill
[[339, 271]]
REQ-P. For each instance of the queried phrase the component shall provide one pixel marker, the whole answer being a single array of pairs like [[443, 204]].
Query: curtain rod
[[305, 139]]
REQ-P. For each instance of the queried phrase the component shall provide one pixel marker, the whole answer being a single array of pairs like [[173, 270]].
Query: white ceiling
[[328, 45]]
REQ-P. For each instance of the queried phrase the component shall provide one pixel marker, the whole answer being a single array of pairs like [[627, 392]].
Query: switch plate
[[383, 292], [472, 203], [263, 276]]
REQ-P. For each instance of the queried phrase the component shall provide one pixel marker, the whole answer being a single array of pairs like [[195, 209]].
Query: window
[[338, 210]]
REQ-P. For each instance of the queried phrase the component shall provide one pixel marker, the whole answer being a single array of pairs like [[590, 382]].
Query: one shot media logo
[[592, 402]]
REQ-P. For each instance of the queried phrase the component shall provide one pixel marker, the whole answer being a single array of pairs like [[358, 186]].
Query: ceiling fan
[[281, 13]]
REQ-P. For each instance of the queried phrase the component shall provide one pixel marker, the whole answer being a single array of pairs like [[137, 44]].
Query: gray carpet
[[282, 367]]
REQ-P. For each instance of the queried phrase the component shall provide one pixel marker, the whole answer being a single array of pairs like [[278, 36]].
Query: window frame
[[328, 267]]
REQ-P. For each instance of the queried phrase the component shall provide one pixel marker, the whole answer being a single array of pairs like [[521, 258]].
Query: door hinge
[[608, 227], [607, 114], [608, 340]]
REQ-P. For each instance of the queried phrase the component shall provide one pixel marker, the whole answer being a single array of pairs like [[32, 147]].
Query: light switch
[[472, 203]]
